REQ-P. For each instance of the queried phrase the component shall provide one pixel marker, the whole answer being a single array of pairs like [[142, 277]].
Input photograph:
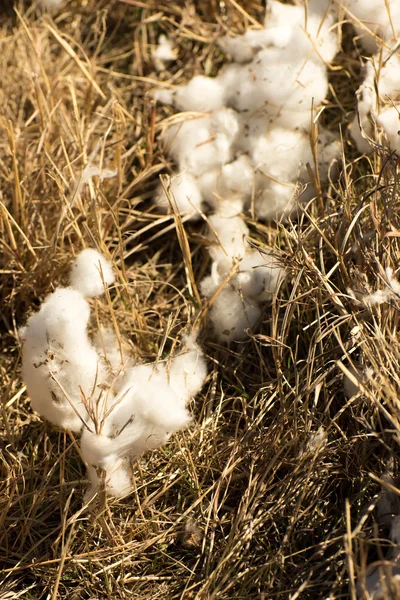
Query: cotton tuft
[[88, 272]]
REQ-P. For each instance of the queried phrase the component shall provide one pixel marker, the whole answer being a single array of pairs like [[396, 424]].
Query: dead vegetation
[[268, 494]]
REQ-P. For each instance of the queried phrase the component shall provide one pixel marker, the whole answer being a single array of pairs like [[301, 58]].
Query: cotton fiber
[[88, 273], [378, 103], [186, 194], [164, 52], [375, 21], [122, 409], [243, 139], [150, 406]]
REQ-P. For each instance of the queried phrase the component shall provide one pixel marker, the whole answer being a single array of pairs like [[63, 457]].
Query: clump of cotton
[[391, 291], [275, 94], [185, 194], [290, 28], [282, 160], [378, 103], [251, 278], [151, 405], [164, 52], [90, 272], [122, 408], [375, 21], [243, 140], [60, 366]]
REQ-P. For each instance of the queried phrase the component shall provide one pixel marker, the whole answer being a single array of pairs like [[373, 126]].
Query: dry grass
[[242, 505]]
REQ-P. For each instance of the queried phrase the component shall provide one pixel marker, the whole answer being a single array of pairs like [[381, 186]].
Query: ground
[[270, 492]]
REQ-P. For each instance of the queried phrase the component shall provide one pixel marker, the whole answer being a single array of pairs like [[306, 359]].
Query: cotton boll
[[242, 48], [56, 349], [280, 154], [106, 343], [163, 52], [386, 68], [164, 96], [287, 27], [102, 452], [208, 184], [374, 19], [280, 159], [201, 94], [259, 276], [89, 271], [154, 399], [232, 315], [186, 193], [188, 372], [276, 83], [275, 200], [238, 175], [389, 120], [230, 185], [228, 235], [202, 144], [306, 32]]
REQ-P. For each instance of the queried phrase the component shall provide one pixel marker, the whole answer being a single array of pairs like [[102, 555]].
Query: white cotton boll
[[208, 184], [374, 19], [307, 32], [106, 343], [232, 184], [201, 94], [276, 83], [165, 96], [274, 199], [232, 315], [99, 452], [259, 276], [238, 175], [291, 28], [386, 68], [231, 77], [154, 399], [164, 51], [202, 144], [186, 193], [56, 349], [188, 372], [280, 154], [389, 120], [242, 48], [89, 271], [228, 235], [280, 159]]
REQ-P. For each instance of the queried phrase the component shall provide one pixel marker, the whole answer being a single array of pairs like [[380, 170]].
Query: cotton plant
[[92, 387]]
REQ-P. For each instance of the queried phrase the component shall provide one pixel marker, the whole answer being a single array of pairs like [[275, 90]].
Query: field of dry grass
[[269, 494]]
